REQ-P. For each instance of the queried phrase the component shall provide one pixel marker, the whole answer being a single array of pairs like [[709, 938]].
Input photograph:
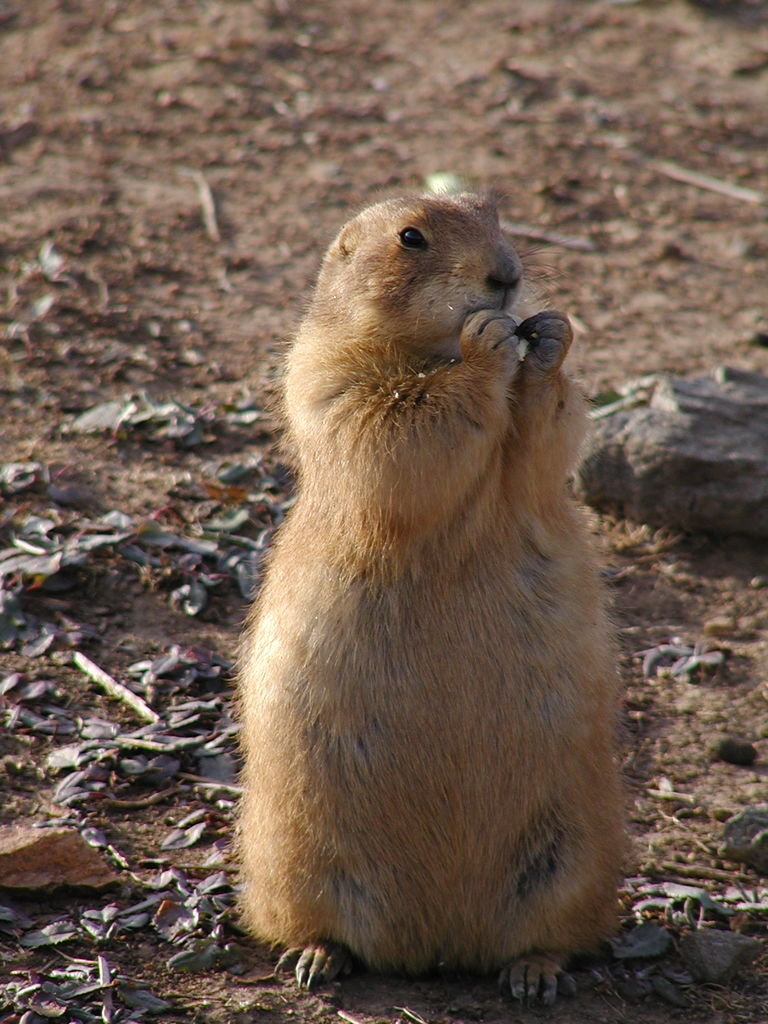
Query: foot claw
[[536, 978], [566, 985], [288, 959], [548, 990], [316, 964]]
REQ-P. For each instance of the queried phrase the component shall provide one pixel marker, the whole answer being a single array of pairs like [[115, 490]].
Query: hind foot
[[317, 963], [536, 978]]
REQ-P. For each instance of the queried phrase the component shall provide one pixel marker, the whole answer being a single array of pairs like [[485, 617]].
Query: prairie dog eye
[[412, 238]]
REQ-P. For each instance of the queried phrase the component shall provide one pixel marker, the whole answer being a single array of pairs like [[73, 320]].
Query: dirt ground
[[170, 174]]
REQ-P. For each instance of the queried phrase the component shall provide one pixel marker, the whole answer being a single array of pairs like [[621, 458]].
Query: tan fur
[[427, 687]]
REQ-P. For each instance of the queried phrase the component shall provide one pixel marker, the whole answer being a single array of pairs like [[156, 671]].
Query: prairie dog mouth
[[506, 302], [510, 297]]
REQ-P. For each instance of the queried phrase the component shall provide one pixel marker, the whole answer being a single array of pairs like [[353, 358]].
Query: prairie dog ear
[[348, 239]]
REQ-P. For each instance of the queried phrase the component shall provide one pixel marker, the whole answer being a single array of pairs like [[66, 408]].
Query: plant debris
[[102, 762], [84, 990], [49, 555], [680, 660]]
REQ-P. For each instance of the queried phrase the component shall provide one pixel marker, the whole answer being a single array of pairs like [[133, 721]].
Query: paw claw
[[288, 959], [566, 984], [549, 990], [306, 972], [316, 964], [535, 979]]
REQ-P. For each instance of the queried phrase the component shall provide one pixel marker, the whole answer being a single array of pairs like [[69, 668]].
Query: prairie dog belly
[[443, 783]]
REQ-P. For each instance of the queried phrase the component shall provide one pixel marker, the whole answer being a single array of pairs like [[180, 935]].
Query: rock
[[634, 990], [71, 497], [719, 626], [746, 838], [105, 416], [48, 858], [694, 457], [715, 956], [669, 991], [734, 750], [719, 812], [644, 940]]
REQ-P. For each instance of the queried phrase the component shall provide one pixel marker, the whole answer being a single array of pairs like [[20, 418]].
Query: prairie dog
[[427, 681]]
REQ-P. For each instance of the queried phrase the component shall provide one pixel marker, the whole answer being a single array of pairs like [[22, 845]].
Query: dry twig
[[115, 689], [147, 801], [701, 872], [550, 237], [411, 1015], [669, 794], [207, 204], [705, 181], [105, 980], [203, 783]]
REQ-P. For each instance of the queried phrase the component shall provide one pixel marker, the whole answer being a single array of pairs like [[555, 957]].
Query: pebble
[[720, 813], [669, 992], [634, 990], [720, 625], [746, 838], [734, 750]]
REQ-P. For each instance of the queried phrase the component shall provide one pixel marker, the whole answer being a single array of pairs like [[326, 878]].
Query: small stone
[[48, 858], [715, 956], [758, 582], [720, 625], [71, 497], [734, 750], [634, 990], [720, 813], [105, 416], [749, 624], [669, 991], [746, 838]]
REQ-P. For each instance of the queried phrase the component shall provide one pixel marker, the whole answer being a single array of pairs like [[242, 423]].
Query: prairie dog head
[[409, 271]]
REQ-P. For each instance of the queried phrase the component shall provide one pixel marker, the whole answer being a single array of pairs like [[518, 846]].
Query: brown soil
[[114, 116]]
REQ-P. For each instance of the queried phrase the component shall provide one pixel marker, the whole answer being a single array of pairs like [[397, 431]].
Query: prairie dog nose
[[507, 271]]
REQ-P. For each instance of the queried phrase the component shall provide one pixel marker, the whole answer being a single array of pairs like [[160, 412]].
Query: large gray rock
[[715, 956], [693, 455]]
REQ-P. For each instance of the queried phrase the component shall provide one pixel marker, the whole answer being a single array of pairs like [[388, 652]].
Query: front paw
[[548, 335], [487, 330]]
